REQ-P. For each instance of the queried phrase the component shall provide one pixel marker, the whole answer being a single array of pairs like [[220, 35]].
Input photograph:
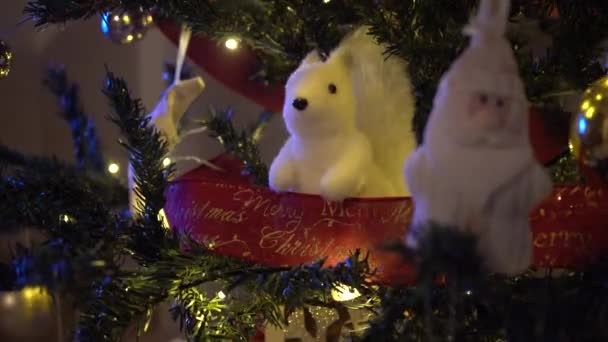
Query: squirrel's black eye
[[332, 88]]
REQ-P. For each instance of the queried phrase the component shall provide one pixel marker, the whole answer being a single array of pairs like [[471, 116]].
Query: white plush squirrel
[[476, 170], [349, 120]]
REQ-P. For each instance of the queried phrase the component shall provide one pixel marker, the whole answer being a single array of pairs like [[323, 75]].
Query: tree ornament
[[125, 26], [6, 57], [476, 171], [589, 133], [348, 117], [172, 107]]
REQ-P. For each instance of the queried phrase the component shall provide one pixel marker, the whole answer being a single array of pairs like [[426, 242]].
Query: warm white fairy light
[[166, 162], [232, 43], [113, 168], [65, 218], [221, 295], [9, 300]]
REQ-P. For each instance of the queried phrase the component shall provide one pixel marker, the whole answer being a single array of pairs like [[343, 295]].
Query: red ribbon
[[224, 211]]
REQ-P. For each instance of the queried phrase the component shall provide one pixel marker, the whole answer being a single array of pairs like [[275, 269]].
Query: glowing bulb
[[166, 162], [232, 43], [31, 293], [221, 295], [469, 292], [570, 146], [104, 23], [599, 97], [126, 19], [149, 18], [326, 1], [589, 112], [9, 300], [606, 83], [343, 293], [585, 105], [130, 38], [116, 18], [559, 198], [582, 125], [113, 168], [65, 218]]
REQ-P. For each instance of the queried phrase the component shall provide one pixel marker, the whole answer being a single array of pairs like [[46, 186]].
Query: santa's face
[[494, 118], [490, 112], [478, 108]]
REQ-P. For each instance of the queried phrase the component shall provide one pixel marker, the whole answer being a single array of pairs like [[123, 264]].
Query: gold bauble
[[6, 57], [124, 27], [589, 133]]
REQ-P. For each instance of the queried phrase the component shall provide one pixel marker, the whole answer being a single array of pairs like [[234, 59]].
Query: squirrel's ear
[[344, 56], [312, 57]]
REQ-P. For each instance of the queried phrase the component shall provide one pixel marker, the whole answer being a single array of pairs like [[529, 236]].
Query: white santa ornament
[[476, 170]]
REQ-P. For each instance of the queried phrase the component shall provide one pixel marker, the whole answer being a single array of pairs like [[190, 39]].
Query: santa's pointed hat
[[489, 51]]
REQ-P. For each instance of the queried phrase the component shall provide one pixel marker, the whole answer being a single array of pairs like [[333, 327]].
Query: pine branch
[[54, 173], [147, 151], [284, 31], [242, 144], [86, 147]]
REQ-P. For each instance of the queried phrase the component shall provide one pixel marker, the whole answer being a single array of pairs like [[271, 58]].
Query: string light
[[32, 293], [232, 43], [589, 112], [65, 218], [113, 168], [166, 162], [326, 1], [221, 295], [582, 125], [344, 293], [9, 300]]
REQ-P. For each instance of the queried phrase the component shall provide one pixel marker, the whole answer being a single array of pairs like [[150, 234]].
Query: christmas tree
[[115, 267]]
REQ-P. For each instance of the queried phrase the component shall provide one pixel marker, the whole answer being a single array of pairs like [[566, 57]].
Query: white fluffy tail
[[385, 104]]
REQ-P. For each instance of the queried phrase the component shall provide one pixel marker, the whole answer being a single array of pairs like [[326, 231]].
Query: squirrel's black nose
[[300, 103]]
